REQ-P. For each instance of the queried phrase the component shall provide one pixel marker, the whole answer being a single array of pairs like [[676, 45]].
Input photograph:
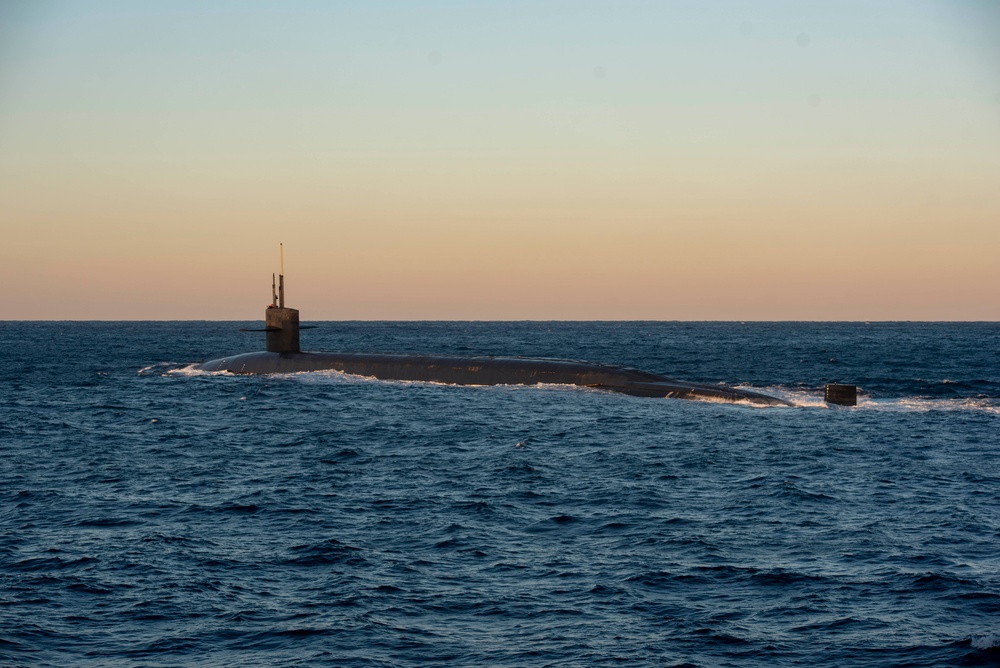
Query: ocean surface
[[155, 516]]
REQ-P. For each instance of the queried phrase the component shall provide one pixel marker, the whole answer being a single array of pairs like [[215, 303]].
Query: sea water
[[155, 516]]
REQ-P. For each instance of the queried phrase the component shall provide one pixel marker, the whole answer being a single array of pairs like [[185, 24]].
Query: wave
[[324, 553], [813, 398], [990, 641], [177, 369]]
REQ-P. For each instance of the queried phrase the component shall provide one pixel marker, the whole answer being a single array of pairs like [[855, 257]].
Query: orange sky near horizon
[[798, 169]]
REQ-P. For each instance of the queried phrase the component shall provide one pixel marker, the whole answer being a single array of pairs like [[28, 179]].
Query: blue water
[[152, 516]]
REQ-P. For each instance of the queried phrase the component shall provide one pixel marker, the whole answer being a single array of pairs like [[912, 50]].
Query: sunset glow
[[777, 160]]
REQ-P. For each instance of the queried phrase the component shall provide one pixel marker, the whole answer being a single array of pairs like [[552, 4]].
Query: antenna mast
[[281, 277]]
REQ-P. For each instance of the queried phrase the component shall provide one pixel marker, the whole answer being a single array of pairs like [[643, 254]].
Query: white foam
[[191, 370], [926, 405], [707, 399], [814, 399], [326, 376], [985, 642], [801, 398], [916, 404], [176, 369]]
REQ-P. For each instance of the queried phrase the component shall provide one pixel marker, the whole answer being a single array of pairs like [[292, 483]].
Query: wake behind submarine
[[283, 355]]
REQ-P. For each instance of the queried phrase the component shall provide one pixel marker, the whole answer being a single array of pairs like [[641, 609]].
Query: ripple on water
[[155, 516]]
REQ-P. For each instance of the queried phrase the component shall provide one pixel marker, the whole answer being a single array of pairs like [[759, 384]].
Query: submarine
[[283, 355]]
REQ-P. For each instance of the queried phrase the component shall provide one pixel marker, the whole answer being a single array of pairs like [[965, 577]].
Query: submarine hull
[[485, 371]]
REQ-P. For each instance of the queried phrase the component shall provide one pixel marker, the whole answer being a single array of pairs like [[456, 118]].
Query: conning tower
[[281, 324]]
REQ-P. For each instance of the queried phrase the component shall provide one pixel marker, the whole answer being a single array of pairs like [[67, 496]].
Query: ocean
[[155, 516]]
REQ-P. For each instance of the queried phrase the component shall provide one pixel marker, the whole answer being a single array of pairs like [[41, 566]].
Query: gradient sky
[[502, 160]]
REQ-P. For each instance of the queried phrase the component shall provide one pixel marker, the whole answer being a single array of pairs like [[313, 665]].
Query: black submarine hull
[[485, 371]]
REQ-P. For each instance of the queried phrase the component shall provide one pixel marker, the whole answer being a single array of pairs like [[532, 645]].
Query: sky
[[674, 160]]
